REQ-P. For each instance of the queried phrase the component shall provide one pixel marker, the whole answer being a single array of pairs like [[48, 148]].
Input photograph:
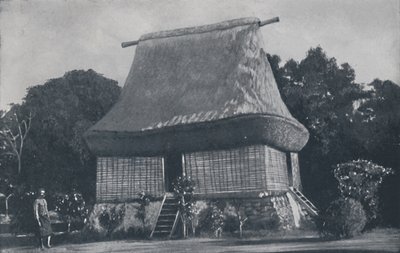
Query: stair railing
[[158, 216], [175, 224], [304, 201]]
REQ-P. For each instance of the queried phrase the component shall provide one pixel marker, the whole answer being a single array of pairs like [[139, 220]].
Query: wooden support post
[[184, 172]]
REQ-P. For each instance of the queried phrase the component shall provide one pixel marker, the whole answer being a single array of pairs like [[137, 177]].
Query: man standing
[[42, 217]]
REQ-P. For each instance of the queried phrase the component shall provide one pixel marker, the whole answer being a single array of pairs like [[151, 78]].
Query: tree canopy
[[56, 156]]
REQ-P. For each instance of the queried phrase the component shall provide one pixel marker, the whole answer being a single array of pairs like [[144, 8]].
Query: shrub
[[23, 219], [344, 218], [72, 207], [111, 219], [217, 220], [144, 200], [230, 223], [184, 188], [211, 219], [360, 180]]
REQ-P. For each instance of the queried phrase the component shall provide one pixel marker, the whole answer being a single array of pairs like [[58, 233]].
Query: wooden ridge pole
[[260, 23]]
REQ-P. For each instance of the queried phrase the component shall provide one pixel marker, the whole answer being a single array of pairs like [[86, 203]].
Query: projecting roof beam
[[268, 21], [260, 23]]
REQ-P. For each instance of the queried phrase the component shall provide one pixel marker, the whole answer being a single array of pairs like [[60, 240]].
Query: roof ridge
[[200, 29]]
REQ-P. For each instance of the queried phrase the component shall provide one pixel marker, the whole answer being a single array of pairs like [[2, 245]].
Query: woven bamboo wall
[[294, 159], [238, 170], [276, 170], [121, 179]]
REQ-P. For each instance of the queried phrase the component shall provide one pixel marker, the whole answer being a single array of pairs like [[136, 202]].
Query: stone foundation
[[275, 213], [270, 212], [130, 224]]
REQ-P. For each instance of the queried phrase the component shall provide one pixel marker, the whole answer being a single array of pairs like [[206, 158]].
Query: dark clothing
[[45, 226], [42, 214]]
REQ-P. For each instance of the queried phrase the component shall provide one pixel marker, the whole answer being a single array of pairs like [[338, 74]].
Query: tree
[[376, 127], [64, 109], [320, 94], [346, 121], [13, 133]]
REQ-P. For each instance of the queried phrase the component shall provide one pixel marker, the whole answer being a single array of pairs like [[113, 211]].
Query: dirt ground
[[378, 241]]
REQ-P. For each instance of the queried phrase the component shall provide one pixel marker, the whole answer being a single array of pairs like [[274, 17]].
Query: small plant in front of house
[[144, 200], [72, 207], [240, 214], [184, 188], [195, 219], [360, 180], [111, 219], [217, 220]]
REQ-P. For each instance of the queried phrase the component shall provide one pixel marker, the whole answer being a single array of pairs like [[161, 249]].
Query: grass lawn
[[380, 240]]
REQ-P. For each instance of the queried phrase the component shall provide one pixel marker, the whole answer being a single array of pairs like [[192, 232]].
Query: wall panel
[[122, 178]]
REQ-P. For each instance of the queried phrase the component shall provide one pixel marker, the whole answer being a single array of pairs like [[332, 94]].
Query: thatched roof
[[194, 81]]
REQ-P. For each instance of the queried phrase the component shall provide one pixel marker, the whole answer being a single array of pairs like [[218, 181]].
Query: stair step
[[165, 226], [170, 208], [171, 203], [162, 231], [163, 219], [168, 211], [166, 218], [159, 221], [167, 215]]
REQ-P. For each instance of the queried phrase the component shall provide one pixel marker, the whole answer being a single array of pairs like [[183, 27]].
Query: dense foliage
[[71, 207], [344, 218], [360, 180], [346, 120]]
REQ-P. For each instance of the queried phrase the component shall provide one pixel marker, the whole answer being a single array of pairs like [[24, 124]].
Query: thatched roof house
[[201, 101]]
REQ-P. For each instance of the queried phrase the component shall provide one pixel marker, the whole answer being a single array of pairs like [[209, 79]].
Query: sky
[[43, 39]]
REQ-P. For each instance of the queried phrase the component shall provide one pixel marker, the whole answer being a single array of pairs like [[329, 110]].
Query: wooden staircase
[[304, 201], [167, 218]]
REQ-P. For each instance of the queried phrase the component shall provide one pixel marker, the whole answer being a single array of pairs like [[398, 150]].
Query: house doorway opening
[[172, 170]]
